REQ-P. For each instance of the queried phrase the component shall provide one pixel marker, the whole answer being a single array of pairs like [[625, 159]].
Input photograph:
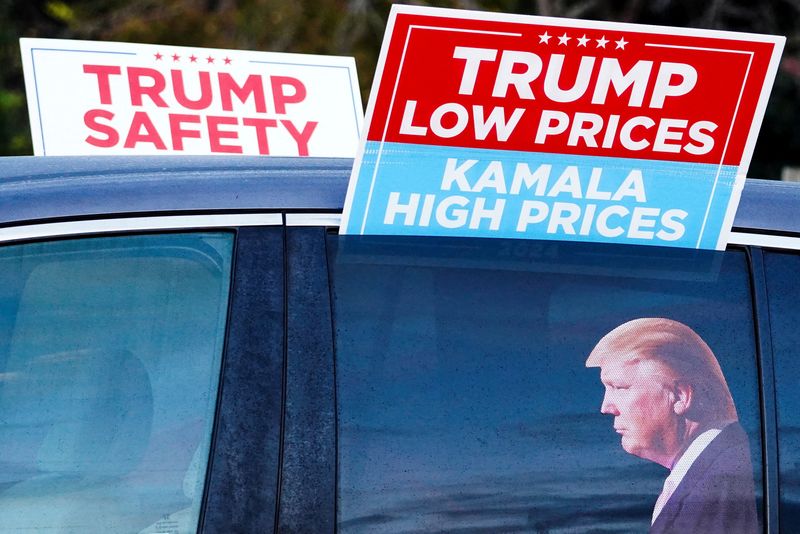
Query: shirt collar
[[681, 467], [690, 455]]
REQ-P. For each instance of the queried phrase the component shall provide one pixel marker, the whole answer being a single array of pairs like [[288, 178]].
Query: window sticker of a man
[[671, 405]]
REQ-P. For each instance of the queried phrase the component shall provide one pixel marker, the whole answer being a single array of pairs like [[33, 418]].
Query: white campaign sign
[[98, 98]]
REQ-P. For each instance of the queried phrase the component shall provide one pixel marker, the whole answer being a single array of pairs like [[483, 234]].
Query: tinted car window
[[464, 400], [784, 295], [110, 356]]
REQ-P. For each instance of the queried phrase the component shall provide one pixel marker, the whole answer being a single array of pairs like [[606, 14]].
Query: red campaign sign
[[572, 87]]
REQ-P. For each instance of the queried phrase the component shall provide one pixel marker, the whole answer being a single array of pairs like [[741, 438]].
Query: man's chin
[[636, 450], [630, 447]]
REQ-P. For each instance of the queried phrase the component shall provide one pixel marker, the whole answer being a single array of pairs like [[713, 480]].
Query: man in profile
[[671, 405]]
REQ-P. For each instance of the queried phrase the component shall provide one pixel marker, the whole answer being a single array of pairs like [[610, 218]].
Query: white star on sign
[[601, 43], [621, 43], [563, 39], [583, 40], [543, 38]]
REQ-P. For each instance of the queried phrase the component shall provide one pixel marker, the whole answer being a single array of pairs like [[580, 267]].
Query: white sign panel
[[108, 98]]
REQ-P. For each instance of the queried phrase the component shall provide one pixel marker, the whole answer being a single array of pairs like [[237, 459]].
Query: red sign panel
[[571, 87]]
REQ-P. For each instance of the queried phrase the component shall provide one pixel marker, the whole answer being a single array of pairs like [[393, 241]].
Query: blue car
[[188, 345]]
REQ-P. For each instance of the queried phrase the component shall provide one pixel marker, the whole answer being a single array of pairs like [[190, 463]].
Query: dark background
[[355, 28]]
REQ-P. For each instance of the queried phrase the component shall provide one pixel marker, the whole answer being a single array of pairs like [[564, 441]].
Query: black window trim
[[242, 479]]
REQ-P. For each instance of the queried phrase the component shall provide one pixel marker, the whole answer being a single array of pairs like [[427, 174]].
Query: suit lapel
[[697, 472]]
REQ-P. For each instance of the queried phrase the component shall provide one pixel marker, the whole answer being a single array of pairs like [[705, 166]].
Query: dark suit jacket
[[716, 496]]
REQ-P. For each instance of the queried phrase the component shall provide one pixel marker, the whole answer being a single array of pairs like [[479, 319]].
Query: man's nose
[[608, 407]]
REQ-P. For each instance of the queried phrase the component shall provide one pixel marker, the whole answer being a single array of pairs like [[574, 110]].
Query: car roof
[[58, 188], [62, 188]]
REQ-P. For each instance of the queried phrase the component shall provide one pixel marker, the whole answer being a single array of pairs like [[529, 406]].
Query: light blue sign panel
[[445, 191]]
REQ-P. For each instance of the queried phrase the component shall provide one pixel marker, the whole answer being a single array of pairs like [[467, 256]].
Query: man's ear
[[684, 394]]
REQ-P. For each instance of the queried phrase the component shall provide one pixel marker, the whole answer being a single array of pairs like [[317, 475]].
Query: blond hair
[[681, 350]]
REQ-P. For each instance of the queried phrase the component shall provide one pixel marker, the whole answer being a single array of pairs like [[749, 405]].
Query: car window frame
[[258, 261], [753, 245]]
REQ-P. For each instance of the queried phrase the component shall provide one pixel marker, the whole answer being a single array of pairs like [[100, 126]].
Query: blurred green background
[[355, 28]]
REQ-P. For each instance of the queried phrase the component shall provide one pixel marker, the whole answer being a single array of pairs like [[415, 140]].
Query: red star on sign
[[193, 58], [227, 61], [210, 59], [175, 57], [158, 56]]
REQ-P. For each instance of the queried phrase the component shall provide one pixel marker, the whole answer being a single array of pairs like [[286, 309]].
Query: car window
[[110, 355], [464, 398], [784, 315]]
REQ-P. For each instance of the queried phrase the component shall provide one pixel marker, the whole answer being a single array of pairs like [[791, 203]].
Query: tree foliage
[[355, 27]]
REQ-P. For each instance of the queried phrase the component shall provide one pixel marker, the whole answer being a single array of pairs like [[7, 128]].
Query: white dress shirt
[[681, 467]]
